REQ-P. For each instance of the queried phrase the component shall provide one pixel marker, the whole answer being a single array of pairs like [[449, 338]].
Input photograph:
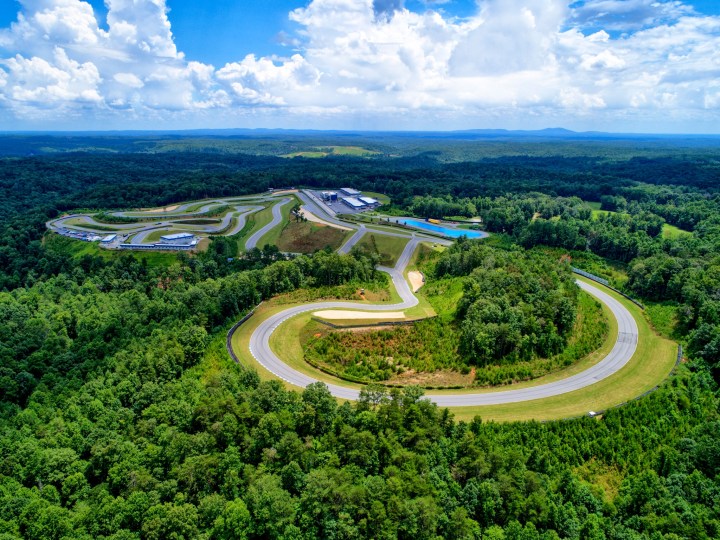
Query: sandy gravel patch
[[334, 314], [312, 217], [284, 192], [162, 209], [416, 280]]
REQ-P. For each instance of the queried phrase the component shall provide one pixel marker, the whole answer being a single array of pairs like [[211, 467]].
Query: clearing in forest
[[325, 151], [389, 248], [307, 237]]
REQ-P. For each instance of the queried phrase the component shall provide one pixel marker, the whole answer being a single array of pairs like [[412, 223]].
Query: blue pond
[[450, 232]]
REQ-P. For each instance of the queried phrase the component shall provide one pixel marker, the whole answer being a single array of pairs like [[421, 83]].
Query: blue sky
[[614, 65], [220, 31]]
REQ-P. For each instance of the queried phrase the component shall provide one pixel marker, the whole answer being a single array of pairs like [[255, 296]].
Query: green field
[[381, 197], [257, 221], [78, 249], [312, 155], [389, 248], [308, 237], [671, 231], [325, 151], [273, 235], [596, 211]]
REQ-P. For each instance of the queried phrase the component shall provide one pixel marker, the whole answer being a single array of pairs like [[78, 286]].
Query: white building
[[369, 201], [353, 203], [108, 239], [178, 239], [350, 192]]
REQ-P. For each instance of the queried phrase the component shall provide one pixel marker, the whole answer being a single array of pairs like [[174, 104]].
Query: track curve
[[618, 357], [276, 220]]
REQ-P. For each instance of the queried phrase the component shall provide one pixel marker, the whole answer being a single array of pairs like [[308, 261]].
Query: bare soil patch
[[417, 280], [440, 378], [337, 314], [307, 237], [312, 217]]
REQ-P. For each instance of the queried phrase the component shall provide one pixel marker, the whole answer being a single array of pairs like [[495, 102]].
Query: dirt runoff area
[[312, 217], [162, 209], [333, 314], [417, 280]]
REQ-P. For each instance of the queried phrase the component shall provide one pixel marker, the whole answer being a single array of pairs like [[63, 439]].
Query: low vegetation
[[429, 350], [308, 237], [385, 249], [122, 416], [515, 305], [322, 152]]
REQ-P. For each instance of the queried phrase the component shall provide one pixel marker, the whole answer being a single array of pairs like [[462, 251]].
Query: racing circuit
[[259, 345], [618, 357]]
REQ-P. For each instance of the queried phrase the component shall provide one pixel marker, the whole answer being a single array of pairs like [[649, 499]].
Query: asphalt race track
[[618, 357], [276, 220], [242, 207]]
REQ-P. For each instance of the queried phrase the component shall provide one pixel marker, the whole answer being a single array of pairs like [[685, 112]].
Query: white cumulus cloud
[[376, 63]]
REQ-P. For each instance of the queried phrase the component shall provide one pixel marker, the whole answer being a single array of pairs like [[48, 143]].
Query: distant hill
[[452, 145]]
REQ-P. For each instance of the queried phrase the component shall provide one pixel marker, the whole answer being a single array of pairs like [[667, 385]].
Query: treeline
[[36, 189], [157, 320], [122, 416], [217, 454], [683, 268], [516, 305]]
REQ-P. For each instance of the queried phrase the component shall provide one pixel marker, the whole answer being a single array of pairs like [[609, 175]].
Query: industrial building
[[178, 239], [369, 201], [331, 196], [108, 239], [353, 203], [169, 242], [161, 247], [350, 192]]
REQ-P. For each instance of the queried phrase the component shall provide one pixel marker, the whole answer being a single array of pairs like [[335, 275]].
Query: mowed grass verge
[[307, 237], [649, 367], [78, 249], [388, 248], [286, 342], [651, 364], [259, 220], [273, 235]]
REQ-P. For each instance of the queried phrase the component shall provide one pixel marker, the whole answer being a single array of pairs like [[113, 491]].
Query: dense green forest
[[121, 415], [515, 306]]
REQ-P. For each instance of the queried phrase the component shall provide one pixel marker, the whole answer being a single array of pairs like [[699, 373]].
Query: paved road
[[620, 355], [276, 220], [168, 220], [242, 219], [326, 213], [354, 239]]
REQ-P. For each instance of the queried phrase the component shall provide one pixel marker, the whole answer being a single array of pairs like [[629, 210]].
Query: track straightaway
[[276, 220], [618, 357]]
